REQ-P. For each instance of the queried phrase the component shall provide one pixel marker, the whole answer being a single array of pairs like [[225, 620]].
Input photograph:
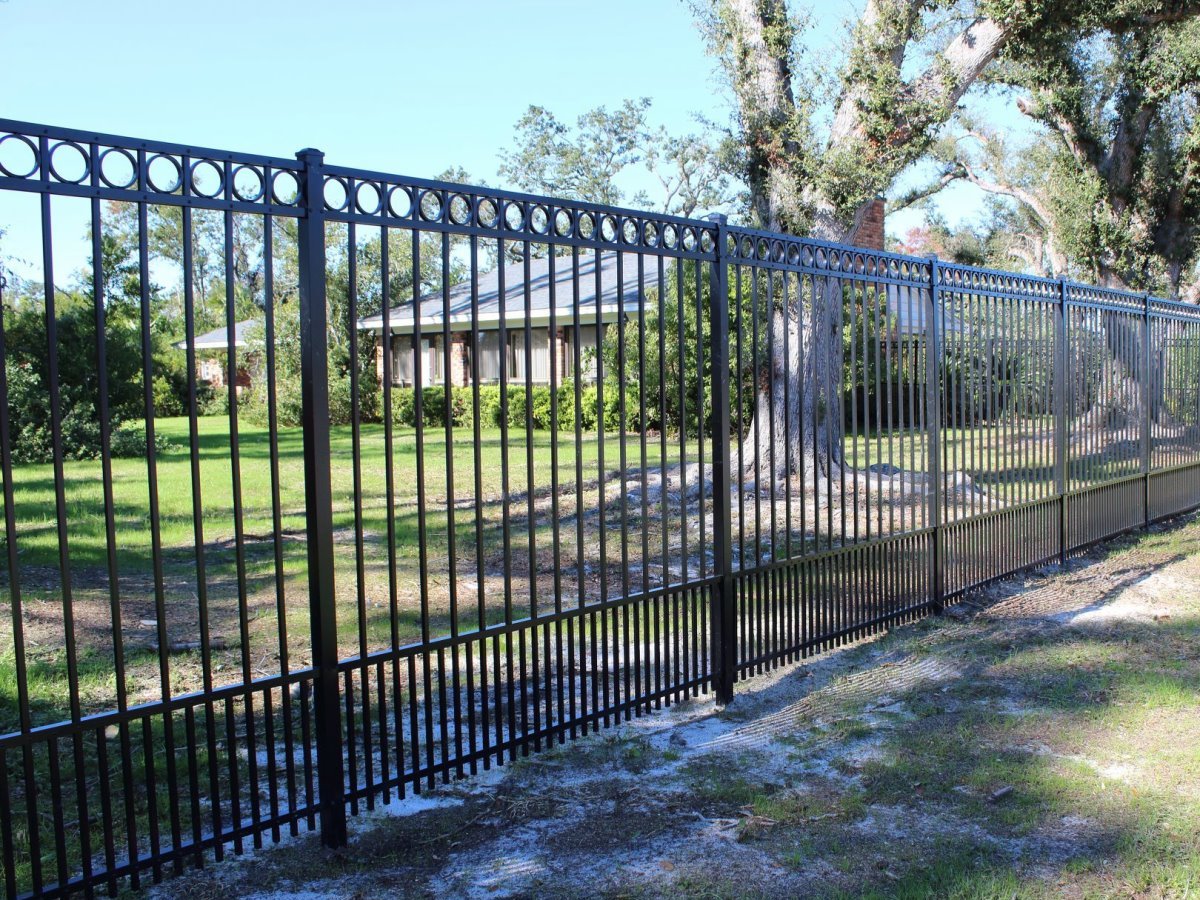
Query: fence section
[[323, 485]]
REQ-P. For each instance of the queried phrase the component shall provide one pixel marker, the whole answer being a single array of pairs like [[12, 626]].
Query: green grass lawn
[[1011, 463], [39, 550]]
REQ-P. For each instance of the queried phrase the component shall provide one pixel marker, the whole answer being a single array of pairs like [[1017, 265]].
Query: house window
[[432, 361], [587, 351], [489, 356], [402, 361], [539, 355]]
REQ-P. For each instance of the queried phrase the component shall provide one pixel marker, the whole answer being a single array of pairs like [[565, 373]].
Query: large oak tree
[[908, 67]]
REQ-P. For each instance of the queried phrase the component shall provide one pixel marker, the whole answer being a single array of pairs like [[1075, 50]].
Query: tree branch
[[924, 191], [955, 69]]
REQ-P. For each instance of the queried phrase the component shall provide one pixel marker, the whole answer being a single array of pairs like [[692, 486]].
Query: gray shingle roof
[[218, 338], [539, 284]]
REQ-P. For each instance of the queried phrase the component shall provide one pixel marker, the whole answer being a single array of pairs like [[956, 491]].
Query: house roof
[[487, 284], [218, 338]]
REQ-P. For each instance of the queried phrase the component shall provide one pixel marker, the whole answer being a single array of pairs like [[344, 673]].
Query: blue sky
[[412, 87]]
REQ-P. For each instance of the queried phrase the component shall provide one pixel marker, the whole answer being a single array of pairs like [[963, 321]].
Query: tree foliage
[[587, 161], [1111, 182]]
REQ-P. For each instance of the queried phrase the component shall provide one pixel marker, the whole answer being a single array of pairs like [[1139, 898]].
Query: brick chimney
[[869, 234]]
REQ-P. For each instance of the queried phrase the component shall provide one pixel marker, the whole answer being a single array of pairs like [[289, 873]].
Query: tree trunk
[[1118, 402], [798, 423], [797, 426]]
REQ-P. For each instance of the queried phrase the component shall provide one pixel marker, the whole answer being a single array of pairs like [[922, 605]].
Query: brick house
[[212, 348]]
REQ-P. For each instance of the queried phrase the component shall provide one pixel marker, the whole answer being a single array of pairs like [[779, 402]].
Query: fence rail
[[441, 475]]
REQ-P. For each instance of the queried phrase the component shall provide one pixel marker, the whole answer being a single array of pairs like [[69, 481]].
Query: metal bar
[[723, 652], [937, 574], [276, 504], [360, 574], [318, 500], [1147, 422], [1061, 435]]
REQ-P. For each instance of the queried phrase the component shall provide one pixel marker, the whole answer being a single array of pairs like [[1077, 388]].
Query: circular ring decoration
[[706, 241], [764, 249], [562, 223], [608, 229], [539, 220], [164, 174], [629, 231], [731, 245], [793, 254], [670, 236], [747, 248], [460, 210], [248, 184], [206, 179], [777, 251], [336, 193], [285, 188], [20, 159], [118, 168], [367, 198], [487, 213], [67, 158], [650, 234], [431, 206], [514, 215], [587, 225], [399, 202], [689, 238]]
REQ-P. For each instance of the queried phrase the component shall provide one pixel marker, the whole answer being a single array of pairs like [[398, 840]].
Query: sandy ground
[[1040, 739]]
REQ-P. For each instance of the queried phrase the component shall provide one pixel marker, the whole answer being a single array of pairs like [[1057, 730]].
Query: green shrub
[[542, 403], [612, 406], [516, 407], [167, 401], [462, 399], [214, 402], [129, 440], [404, 410], [489, 406], [589, 404]]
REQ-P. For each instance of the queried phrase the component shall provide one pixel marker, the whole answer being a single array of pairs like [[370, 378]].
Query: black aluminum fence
[[483, 472]]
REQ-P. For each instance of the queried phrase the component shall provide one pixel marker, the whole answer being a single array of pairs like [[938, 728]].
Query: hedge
[[491, 410]]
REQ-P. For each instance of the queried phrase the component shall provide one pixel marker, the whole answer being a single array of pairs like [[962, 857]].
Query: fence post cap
[[717, 218]]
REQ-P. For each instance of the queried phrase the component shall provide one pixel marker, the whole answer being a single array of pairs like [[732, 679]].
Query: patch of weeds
[[800, 853], [630, 753], [1079, 865], [724, 792], [965, 872], [849, 729]]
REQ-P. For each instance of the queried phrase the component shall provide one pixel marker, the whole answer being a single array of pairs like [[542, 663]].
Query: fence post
[[318, 500], [1147, 419], [1061, 438], [933, 406], [724, 647]]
